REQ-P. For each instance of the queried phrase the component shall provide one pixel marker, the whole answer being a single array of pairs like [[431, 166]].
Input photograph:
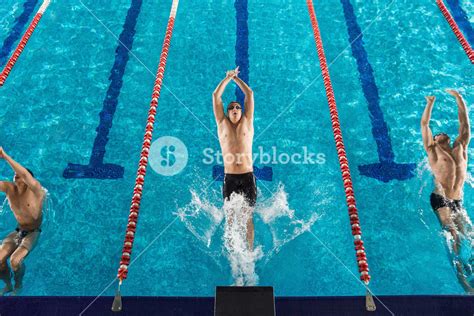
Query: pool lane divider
[[16, 31], [143, 162], [19, 49], [343, 162], [452, 23], [96, 168], [386, 169]]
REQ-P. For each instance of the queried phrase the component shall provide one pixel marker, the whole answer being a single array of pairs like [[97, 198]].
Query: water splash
[[470, 180], [423, 173], [2, 208], [204, 219], [201, 217], [241, 257], [49, 213], [281, 219]]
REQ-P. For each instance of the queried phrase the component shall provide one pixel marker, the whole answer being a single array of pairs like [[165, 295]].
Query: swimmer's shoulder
[[431, 151]]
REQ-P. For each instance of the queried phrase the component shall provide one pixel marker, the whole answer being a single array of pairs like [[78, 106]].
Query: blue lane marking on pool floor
[[386, 169], [242, 60], [97, 168], [461, 18], [17, 30], [242, 46]]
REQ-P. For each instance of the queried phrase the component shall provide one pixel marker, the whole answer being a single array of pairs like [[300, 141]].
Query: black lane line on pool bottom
[[96, 168], [17, 31], [242, 60], [242, 46], [386, 169]]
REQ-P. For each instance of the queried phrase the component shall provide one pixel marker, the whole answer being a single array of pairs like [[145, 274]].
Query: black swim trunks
[[244, 184], [23, 238], [439, 201]]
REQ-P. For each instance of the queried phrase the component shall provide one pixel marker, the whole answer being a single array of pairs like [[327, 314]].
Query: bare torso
[[236, 142], [27, 207], [449, 168]]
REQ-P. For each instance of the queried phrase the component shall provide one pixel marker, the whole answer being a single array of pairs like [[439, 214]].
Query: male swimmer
[[449, 166], [25, 196], [236, 132]]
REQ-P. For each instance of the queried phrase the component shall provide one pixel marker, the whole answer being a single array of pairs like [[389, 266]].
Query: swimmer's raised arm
[[425, 123], [248, 102], [217, 104], [464, 127], [21, 172]]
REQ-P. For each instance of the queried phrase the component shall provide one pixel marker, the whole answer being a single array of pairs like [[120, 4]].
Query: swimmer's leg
[[463, 223], [250, 228], [5, 274], [446, 220], [18, 267], [250, 193], [462, 278]]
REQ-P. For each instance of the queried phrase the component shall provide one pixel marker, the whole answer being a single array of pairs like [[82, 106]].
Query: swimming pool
[[52, 102]]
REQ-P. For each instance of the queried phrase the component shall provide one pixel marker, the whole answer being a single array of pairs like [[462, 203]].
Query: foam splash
[[423, 173], [203, 219], [242, 259], [49, 213], [470, 180], [281, 220]]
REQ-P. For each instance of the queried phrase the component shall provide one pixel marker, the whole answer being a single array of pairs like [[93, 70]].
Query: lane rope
[[457, 31], [142, 165], [19, 49], [343, 162]]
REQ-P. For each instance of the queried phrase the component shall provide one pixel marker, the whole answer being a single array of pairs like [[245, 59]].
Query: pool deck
[[143, 305]]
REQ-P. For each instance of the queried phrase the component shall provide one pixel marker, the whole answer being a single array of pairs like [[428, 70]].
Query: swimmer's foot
[[7, 289]]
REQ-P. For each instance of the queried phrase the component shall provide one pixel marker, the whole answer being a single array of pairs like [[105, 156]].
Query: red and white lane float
[[142, 165], [19, 49], [464, 43], [343, 162]]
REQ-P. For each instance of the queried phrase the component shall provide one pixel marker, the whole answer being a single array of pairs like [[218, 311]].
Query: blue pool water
[[78, 98]]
